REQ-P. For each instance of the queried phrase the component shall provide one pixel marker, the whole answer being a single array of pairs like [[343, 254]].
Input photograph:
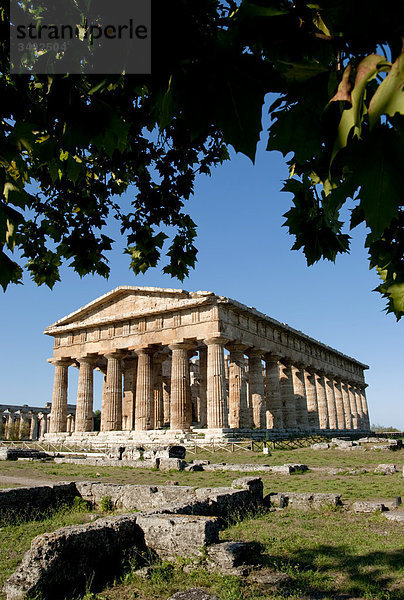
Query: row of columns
[[26, 425], [283, 396]]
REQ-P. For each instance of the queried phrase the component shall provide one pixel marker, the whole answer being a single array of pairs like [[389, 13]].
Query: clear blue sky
[[244, 253]]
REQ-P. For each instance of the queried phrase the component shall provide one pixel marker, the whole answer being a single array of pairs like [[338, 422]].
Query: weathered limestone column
[[273, 401], [180, 409], [84, 407], [256, 389], [322, 400], [311, 398], [239, 414], [216, 384], [144, 390], [358, 398], [287, 395], [158, 391], [33, 431], [347, 405], [302, 418], [203, 382], [44, 425], [365, 411], [111, 415], [129, 393], [332, 412], [166, 400], [22, 426], [339, 403], [10, 425], [58, 420], [352, 402], [70, 423]]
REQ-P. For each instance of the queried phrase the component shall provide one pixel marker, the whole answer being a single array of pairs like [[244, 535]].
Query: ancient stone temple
[[177, 361], [29, 422]]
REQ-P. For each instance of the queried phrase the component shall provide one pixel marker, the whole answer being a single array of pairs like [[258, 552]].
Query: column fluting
[[216, 384], [347, 405], [84, 406], [273, 402], [311, 396], [58, 420], [129, 393], [158, 391], [287, 395], [302, 418], [112, 418], [144, 390], [203, 379], [322, 400], [180, 400], [339, 403], [238, 410], [256, 388]]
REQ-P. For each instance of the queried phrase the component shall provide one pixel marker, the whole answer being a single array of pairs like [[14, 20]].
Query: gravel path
[[15, 481]]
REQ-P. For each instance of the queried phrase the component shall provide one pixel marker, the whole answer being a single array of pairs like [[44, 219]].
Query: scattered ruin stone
[[193, 467], [253, 484], [302, 500], [386, 469], [393, 446], [193, 594], [9, 453], [269, 579], [171, 464], [227, 556], [178, 535], [66, 559], [392, 516], [25, 501], [320, 446], [368, 506]]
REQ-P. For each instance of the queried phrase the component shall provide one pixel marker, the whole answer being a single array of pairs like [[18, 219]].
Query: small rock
[[386, 469], [391, 516], [193, 594], [368, 506], [320, 446]]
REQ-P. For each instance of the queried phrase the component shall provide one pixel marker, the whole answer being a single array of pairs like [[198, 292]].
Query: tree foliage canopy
[[337, 68]]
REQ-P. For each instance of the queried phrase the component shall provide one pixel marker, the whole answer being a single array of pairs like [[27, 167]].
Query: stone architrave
[[58, 420], [129, 393], [273, 401], [256, 389], [112, 409], [216, 384], [352, 403], [238, 409], [180, 401], [332, 412], [203, 379], [365, 410], [158, 391], [84, 407], [347, 405], [144, 390], [287, 394], [302, 418], [322, 400], [339, 403], [311, 397]]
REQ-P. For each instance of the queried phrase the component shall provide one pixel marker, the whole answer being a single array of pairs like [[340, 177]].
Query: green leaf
[[389, 96]]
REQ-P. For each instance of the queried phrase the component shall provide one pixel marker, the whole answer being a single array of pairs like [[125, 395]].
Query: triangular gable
[[125, 302]]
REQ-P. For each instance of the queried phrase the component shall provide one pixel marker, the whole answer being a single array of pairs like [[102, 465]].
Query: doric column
[[43, 425], [111, 420], [203, 379], [129, 393], [347, 405], [10, 425], [166, 399], [352, 403], [256, 388], [273, 402], [311, 397], [302, 418], [33, 432], [322, 400], [332, 413], [358, 397], [365, 410], [216, 384], [22, 432], [144, 390], [287, 395], [180, 409], [339, 403], [158, 391], [84, 407], [238, 409], [58, 421]]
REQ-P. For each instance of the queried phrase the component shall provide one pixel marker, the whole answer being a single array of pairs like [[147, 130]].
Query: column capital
[[216, 339], [180, 346], [89, 360], [140, 351], [286, 361], [271, 357], [236, 347], [255, 352], [115, 354], [61, 362]]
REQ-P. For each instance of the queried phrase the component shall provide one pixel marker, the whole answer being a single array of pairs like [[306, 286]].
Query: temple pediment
[[128, 302]]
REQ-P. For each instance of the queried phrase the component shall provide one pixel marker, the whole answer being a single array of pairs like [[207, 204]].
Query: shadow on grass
[[334, 572]]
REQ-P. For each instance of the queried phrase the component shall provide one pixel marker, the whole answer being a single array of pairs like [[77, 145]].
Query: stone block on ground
[[302, 500], [320, 446], [393, 516], [64, 561], [368, 506], [178, 535], [193, 594], [171, 464], [226, 556], [253, 484], [387, 469], [193, 467]]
